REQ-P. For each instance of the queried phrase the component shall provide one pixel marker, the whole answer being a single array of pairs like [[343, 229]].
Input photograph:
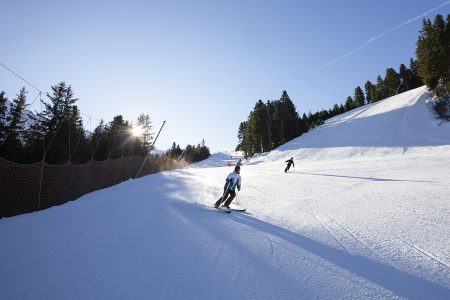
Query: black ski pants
[[227, 197], [287, 168]]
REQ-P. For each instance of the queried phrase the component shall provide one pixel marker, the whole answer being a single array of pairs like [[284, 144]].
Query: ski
[[225, 210], [238, 209]]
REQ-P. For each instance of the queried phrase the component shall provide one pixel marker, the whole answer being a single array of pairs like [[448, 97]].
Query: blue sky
[[202, 65]]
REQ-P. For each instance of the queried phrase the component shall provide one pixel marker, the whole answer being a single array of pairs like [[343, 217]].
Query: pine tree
[[247, 141], [241, 134], [406, 78], [380, 90], [302, 125], [370, 90], [12, 147], [118, 132], [99, 140], [289, 117], [189, 153], [349, 104], [145, 139], [336, 110], [359, 97], [258, 125], [277, 130], [80, 148], [391, 83], [433, 52], [202, 151], [34, 147], [60, 124], [171, 152], [416, 79], [3, 109]]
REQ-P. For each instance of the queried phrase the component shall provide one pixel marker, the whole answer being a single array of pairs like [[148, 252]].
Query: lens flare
[[137, 130]]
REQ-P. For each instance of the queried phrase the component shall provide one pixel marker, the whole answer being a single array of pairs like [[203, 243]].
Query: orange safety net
[[26, 188]]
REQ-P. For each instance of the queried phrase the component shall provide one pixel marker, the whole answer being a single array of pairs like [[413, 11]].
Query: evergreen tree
[[34, 147], [302, 125], [79, 146], [349, 104], [391, 83], [11, 148], [416, 79], [433, 53], [118, 133], [269, 125], [406, 77], [380, 90], [178, 152], [204, 151], [370, 90], [359, 97], [258, 125], [336, 110], [290, 117], [277, 130], [3, 110], [189, 153], [61, 125], [175, 151], [199, 152], [99, 140], [146, 138], [241, 134], [247, 141], [15, 119]]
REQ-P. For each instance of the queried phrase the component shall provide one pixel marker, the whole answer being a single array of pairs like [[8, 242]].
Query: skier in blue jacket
[[232, 182]]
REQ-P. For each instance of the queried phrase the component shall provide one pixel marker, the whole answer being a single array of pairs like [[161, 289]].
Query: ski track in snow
[[364, 214]]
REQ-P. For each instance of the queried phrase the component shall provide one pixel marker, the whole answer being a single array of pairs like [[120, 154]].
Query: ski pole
[[237, 201]]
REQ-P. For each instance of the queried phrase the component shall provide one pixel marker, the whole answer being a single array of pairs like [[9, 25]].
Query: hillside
[[364, 214]]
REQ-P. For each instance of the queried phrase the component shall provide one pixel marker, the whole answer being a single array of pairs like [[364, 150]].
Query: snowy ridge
[[364, 214], [390, 127]]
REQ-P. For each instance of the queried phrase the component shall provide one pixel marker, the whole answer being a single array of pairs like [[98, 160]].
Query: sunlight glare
[[137, 130]]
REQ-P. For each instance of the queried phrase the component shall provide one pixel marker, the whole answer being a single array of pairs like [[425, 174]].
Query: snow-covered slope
[[365, 213], [393, 125], [221, 159]]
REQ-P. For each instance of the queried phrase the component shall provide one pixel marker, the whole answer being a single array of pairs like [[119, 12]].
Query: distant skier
[[290, 162], [239, 163], [232, 182]]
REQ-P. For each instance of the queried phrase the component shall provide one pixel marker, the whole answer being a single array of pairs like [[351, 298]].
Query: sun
[[137, 130]]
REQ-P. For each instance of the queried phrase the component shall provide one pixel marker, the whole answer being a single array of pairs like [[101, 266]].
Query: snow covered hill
[[365, 213]]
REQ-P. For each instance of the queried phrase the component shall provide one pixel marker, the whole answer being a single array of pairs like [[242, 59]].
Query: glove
[[239, 188]]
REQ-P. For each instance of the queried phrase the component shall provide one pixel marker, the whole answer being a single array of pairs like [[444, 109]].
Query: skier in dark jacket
[[233, 181], [290, 162]]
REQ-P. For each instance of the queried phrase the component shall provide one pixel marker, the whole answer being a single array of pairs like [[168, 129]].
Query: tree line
[[433, 61], [191, 153], [276, 122], [56, 134]]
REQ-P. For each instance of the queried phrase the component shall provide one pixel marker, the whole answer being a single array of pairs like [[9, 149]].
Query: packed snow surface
[[365, 213]]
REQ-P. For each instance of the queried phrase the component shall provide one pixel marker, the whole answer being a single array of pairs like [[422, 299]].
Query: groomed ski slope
[[365, 213]]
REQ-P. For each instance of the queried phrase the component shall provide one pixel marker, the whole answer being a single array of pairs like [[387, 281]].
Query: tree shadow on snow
[[368, 178], [401, 283]]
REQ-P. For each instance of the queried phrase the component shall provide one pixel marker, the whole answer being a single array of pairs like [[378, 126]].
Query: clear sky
[[202, 65]]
